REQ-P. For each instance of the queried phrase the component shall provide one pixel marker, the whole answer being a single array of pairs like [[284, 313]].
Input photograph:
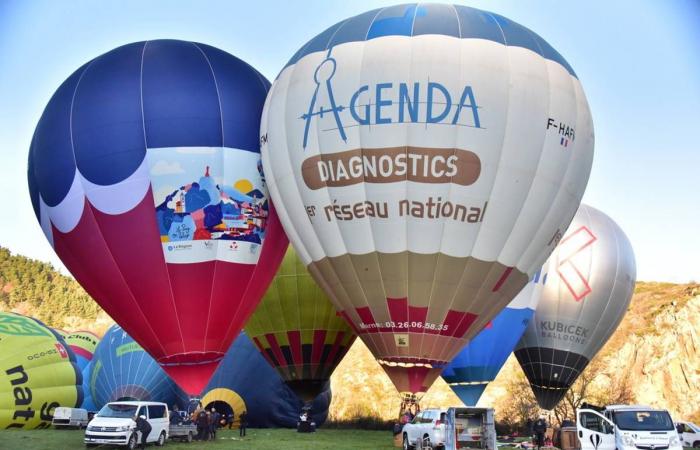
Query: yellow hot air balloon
[[298, 331], [38, 373]]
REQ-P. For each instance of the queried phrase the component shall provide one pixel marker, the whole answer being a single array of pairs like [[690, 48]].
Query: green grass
[[257, 439]]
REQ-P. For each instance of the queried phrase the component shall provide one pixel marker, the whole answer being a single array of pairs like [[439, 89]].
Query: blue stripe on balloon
[[109, 141], [242, 90], [436, 18], [393, 21], [52, 150], [180, 100], [413, 20]]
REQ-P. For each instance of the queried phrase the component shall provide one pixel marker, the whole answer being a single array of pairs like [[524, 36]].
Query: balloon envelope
[[479, 362], [83, 344], [38, 373], [122, 370], [298, 331], [423, 160], [590, 281], [145, 174], [245, 381]]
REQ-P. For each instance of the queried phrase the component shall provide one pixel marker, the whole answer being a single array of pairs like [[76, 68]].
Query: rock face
[[656, 349]]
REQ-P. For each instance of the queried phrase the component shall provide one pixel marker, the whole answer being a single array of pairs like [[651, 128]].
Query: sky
[[638, 61]]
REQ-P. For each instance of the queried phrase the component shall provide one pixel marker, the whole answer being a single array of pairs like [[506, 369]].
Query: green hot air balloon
[[38, 373], [298, 331]]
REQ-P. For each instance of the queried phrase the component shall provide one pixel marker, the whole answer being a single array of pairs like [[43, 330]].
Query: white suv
[[426, 431], [115, 424]]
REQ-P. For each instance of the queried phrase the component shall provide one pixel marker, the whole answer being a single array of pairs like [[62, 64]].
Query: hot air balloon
[[144, 172], [479, 362], [245, 381], [298, 331], [424, 159], [122, 370], [38, 373], [83, 344], [591, 277]]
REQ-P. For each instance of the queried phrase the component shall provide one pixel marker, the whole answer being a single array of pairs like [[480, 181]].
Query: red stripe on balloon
[[502, 280], [317, 348], [276, 350], [294, 338]]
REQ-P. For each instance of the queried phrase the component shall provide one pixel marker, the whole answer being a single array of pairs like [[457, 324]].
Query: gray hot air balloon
[[589, 282]]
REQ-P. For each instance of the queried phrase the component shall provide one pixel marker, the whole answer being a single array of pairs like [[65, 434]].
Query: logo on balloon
[[427, 102]]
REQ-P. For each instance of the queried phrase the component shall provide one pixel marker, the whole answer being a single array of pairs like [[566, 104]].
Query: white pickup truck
[[626, 427]]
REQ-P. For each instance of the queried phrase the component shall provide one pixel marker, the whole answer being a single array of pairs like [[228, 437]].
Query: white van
[[689, 434], [115, 424], [626, 427], [65, 417]]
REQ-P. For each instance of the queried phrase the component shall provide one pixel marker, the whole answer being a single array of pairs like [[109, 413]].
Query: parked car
[[115, 424], [427, 430], [626, 427], [65, 417], [689, 434]]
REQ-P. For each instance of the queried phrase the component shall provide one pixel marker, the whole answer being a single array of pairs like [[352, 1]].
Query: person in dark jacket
[[244, 422], [215, 418], [144, 427], [230, 418], [540, 428], [202, 421]]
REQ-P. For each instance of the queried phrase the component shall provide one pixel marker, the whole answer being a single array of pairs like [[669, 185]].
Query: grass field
[[257, 439]]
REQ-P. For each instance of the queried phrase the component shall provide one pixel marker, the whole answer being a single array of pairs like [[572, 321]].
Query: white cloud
[[165, 168]]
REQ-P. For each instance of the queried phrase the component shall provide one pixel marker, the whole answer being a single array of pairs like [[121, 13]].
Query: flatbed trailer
[[183, 432]]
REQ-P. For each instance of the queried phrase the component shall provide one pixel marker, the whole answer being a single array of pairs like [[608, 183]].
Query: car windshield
[[117, 410], [693, 427], [643, 420]]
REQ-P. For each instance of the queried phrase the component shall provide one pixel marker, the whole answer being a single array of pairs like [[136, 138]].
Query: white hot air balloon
[[425, 159]]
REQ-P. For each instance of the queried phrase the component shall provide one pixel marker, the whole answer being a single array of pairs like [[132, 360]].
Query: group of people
[[209, 421]]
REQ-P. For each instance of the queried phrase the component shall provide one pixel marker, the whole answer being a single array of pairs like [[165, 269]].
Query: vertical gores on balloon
[[145, 174], [38, 373], [298, 331], [590, 281], [425, 160], [122, 370], [477, 364]]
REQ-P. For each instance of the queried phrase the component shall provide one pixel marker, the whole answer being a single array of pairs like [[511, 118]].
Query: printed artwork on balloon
[[207, 205]]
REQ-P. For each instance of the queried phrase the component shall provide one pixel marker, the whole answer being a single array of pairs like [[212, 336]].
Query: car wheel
[[190, 437], [406, 444], [133, 441], [696, 444], [161, 439]]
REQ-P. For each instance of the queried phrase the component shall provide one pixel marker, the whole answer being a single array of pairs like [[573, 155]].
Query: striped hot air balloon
[[122, 370], [590, 281], [297, 329], [145, 174], [424, 160]]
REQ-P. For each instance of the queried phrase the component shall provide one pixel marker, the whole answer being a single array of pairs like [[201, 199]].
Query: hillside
[[653, 357], [35, 288]]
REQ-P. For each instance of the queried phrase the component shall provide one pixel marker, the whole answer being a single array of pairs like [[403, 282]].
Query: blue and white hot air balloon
[[479, 362], [122, 370]]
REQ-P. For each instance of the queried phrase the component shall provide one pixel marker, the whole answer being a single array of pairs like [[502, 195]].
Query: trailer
[[470, 428], [183, 432]]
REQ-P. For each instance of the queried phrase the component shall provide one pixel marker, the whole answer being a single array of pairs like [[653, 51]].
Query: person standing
[[244, 422], [144, 427], [215, 418], [540, 428], [202, 425], [230, 418]]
